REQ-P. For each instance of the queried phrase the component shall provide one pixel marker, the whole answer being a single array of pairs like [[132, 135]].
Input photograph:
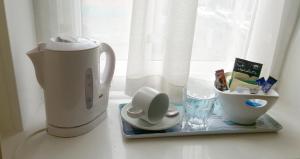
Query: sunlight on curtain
[[104, 20], [221, 34], [57, 18], [109, 21], [161, 42], [169, 41]]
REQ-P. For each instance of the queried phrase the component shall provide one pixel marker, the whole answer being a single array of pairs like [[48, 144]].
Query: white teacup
[[149, 104]]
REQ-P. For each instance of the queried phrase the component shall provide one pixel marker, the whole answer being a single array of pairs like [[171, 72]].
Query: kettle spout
[[36, 57]]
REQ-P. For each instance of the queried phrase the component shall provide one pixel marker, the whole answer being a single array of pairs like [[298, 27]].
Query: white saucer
[[167, 122]]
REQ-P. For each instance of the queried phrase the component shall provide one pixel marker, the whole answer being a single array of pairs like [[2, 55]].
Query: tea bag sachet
[[246, 71]]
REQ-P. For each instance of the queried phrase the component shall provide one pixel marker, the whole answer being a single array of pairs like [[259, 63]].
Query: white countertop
[[106, 142]]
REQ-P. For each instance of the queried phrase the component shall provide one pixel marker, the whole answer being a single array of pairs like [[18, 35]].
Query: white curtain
[[104, 20], [160, 52], [272, 28], [57, 18], [163, 43]]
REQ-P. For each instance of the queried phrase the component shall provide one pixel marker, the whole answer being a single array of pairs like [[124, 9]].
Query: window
[[224, 29]]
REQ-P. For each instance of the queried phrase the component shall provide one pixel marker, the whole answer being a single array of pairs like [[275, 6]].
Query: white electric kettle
[[76, 95]]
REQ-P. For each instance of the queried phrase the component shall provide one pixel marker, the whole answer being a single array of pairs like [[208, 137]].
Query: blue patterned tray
[[216, 125]]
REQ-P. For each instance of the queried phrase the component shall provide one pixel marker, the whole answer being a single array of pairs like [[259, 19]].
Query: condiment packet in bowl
[[246, 71], [261, 81], [220, 82], [235, 83], [268, 84]]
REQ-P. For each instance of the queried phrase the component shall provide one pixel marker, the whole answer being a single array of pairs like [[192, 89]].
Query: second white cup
[[149, 104]]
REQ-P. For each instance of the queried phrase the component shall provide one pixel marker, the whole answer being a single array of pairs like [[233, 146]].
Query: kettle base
[[77, 130]]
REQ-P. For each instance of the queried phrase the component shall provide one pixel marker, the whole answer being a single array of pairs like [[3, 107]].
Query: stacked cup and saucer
[[150, 110]]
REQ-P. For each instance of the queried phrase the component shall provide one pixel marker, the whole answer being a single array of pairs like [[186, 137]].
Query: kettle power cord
[[26, 140]]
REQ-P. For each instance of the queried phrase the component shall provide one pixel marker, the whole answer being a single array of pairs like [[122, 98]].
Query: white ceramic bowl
[[237, 110]]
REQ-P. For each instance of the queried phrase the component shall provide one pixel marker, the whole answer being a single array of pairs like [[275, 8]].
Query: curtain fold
[[272, 28], [57, 18], [171, 41], [288, 23], [161, 38], [160, 54]]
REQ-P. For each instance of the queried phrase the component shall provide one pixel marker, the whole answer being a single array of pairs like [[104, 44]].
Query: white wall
[[289, 85], [4, 111], [6, 122], [10, 119], [20, 22]]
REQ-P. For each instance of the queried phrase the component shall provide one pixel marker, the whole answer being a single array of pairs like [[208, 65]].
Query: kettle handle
[[110, 63]]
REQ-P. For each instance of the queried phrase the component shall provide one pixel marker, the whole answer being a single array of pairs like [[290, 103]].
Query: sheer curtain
[[104, 20], [256, 30], [163, 43]]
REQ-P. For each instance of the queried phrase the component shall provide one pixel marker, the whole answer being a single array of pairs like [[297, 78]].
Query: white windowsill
[[106, 141]]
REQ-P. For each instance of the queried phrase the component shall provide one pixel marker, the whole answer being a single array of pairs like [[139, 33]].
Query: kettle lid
[[67, 43]]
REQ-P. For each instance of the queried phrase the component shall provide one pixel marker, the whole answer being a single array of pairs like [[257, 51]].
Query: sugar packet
[[220, 82], [268, 84]]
